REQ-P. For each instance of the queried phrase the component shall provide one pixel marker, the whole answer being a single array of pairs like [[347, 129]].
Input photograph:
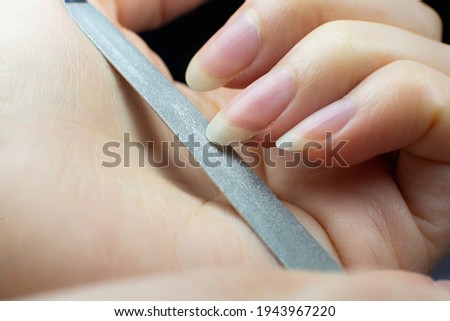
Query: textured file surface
[[287, 239]]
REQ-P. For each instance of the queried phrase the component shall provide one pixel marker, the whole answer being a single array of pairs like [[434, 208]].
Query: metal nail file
[[287, 239]]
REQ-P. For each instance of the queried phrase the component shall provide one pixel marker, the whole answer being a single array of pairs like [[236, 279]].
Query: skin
[[67, 222]]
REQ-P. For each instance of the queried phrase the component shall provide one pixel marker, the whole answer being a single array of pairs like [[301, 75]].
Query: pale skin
[[66, 222]]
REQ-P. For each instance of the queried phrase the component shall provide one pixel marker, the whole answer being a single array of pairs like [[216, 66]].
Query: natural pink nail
[[227, 54], [314, 128], [254, 109]]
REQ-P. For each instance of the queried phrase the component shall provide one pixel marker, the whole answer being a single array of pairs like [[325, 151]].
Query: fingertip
[[289, 142], [221, 132], [198, 79]]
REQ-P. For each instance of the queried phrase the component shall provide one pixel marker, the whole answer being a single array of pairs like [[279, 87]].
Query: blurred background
[[178, 41]]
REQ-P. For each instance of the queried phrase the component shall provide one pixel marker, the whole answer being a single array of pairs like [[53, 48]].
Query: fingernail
[[314, 128], [253, 109], [444, 284], [227, 54], [221, 132]]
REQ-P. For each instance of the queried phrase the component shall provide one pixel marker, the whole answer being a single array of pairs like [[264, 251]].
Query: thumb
[[262, 285]]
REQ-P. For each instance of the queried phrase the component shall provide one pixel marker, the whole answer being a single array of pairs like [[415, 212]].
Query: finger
[[321, 69], [139, 15], [404, 105], [262, 32], [114, 9], [263, 285]]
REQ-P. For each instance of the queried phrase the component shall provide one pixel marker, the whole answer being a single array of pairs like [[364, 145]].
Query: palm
[[65, 213]]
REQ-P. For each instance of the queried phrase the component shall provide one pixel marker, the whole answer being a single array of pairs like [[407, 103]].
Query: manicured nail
[[253, 109], [314, 128], [226, 55]]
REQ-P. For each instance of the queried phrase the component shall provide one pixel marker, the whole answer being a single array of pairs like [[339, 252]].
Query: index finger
[[139, 15]]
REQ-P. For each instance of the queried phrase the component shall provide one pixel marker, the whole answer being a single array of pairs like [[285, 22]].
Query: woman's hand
[[373, 74], [65, 220]]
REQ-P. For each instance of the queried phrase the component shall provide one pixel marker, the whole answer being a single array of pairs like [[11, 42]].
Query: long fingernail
[[254, 109], [314, 128], [221, 131], [226, 55]]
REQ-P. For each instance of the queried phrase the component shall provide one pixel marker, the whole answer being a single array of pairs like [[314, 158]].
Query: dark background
[[177, 43]]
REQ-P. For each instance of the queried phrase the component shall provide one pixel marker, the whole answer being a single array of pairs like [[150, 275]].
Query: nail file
[[281, 232]]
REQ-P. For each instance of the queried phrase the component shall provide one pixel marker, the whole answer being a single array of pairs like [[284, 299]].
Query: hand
[[261, 33], [66, 221], [261, 284], [380, 84]]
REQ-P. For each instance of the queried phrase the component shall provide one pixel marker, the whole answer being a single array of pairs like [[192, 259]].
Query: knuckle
[[405, 73], [408, 67], [338, 28], [340, 34], [410, 78], [326, 48]]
